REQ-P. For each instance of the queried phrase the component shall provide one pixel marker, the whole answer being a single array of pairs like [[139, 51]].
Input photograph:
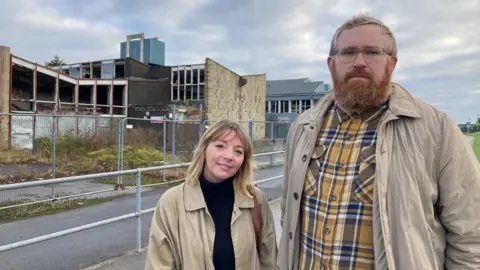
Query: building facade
[[223, 93], [286, 99]]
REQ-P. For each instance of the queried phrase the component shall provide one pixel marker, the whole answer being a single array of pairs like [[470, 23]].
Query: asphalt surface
[[12, 169], [79, 187], [93, 246]]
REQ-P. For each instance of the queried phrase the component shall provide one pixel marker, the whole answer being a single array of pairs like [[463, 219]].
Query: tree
[[55, 62]]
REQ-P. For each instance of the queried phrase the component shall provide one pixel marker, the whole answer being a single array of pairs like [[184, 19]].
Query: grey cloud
[[438, 40], [37, 31]]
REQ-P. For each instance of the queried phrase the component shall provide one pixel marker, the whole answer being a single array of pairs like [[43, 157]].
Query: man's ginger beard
[[357, 94]]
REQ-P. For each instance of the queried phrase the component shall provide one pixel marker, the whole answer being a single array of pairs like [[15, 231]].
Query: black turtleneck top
[[219, 198]]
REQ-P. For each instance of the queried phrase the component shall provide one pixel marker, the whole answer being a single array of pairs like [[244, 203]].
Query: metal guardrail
[[138, 205], [87, 194]]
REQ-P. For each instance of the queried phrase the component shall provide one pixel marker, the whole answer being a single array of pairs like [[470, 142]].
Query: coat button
[[311, 127], [290, 235], [295, 196], [304, 158]]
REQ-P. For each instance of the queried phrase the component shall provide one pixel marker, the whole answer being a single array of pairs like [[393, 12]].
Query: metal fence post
[[121, 130], [200, 128], [272, 136], [34, 143], [164, 147], [138, 209], [54, 151], [173, 132], [250, 130]]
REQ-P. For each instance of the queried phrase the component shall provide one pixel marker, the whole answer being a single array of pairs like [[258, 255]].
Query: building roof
[[300, 86]]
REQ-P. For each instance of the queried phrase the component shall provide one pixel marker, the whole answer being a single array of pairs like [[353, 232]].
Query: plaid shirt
[[336, 211]]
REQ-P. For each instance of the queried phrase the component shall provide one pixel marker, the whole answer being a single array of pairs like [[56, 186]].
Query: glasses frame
[[357, 51]]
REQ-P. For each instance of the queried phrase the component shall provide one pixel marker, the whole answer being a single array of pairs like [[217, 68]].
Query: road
[[470, 140], [79, 187], [82, 249]]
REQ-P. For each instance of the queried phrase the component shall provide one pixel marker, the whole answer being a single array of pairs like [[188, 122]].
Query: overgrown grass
[[21, 156], [83, 154], [46, 208]]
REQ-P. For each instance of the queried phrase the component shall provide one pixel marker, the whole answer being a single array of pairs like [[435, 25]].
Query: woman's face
[[224, 157]]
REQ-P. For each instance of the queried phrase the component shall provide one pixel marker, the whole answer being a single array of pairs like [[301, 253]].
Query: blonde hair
[[217, 130], [364, 19]]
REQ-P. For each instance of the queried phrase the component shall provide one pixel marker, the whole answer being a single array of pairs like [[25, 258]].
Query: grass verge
[[476, 144], [129, 181]]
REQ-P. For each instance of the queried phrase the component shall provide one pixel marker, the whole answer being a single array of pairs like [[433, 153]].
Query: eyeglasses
[[370, 54]]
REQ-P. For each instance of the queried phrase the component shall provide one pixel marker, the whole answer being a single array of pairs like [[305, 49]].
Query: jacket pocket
[[364, 182], [314, 168]]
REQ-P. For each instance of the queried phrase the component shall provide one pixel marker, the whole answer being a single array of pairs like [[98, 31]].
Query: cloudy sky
[[438, 40]]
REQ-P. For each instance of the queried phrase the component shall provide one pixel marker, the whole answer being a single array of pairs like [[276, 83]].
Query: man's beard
[[358, 91]]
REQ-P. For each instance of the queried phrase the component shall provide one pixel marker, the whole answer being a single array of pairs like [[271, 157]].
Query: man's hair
[[364, 19]]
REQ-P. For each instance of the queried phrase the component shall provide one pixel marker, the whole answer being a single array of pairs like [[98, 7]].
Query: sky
[[438, 40]]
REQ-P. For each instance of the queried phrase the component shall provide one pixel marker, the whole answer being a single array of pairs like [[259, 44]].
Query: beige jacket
[[427, 188], [182, 232]]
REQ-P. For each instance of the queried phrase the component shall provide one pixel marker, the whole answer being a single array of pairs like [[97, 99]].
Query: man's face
[[361, 69]]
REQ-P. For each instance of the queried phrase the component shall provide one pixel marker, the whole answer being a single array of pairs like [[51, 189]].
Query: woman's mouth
[[225, 167]]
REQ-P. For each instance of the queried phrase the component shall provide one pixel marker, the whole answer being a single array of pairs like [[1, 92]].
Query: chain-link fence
[[41, 146], [35, 146]]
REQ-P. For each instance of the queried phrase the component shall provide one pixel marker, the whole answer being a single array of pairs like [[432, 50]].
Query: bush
[[132, 157], [142, 157], [66, 145], [86, 154]]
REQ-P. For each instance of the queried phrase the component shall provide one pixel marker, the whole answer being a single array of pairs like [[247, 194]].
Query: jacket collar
[[401, 103], [194, 199]]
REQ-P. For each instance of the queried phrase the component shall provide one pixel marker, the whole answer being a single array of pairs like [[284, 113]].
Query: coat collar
[[194, 199], [401, 103]]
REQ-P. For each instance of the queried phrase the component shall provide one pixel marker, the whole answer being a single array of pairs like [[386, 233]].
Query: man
[[375, 178]]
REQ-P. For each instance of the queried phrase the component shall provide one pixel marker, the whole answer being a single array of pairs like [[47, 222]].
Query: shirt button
[[304, 158], [327, 231], [333, 198], [295, 196]]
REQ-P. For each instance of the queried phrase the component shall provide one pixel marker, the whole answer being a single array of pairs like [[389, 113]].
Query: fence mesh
[[46, 146]]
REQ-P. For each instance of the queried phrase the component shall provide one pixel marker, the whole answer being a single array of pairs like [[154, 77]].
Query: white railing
[[138, 207]]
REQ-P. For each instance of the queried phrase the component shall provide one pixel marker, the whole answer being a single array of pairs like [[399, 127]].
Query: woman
[[207, 222]]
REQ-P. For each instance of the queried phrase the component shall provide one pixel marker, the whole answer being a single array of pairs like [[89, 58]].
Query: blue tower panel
[[153, 51], [157, 52]]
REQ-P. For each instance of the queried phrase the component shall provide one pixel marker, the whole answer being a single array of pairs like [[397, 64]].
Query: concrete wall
[[4, 95], [230, 96], [134, 68], [151, 96]]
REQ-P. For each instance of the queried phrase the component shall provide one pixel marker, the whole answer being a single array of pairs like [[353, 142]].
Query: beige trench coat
[[427, 188], [182, 232]]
